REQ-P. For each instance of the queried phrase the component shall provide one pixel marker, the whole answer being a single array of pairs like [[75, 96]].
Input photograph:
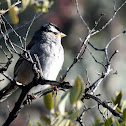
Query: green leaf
[[51, 3], [2, 11], [25, 3], [9, 3], [113, 100], [62, 103], [39, 124], [124, 115], [117, 123], [77, 90], [29, 123], [65, 122], [118, 109], [48, 100], [118, 98], [97, 122], [123, 105], [46, 120], [43, 6], [58, 121], [108, 122], [73, 115], [79, 105], [55, 97], [13, 14]]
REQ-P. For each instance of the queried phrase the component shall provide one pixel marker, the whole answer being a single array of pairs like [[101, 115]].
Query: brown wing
[[20, 60]]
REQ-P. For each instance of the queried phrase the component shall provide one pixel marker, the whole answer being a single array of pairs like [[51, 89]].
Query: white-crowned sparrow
[[46, 43]]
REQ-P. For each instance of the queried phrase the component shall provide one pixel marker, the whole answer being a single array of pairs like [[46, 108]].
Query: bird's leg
[[29, 99]]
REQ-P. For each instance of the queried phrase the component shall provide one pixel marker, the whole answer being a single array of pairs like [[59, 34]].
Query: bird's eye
[[55, 33]]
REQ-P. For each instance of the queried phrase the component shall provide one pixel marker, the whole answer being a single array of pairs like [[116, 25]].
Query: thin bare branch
[[95, 58], [80, 117], [6, 39], [39, 65], [110, 20], [114, 5], [13, 30], [25, 38], [97, 22], [104, 104], [20, 26], [78, 11], [114, 39], [116, 51], [13, 5]]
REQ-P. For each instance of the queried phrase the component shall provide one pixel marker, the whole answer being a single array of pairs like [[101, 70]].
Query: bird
[[46, 44]]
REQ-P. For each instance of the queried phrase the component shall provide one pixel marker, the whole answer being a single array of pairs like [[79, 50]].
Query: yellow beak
[[62, 34]]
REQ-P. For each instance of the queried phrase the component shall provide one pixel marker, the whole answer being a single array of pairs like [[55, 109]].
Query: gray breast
[[51, 56]]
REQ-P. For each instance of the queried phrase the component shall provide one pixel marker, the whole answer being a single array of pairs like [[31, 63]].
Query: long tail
[[7, 91]]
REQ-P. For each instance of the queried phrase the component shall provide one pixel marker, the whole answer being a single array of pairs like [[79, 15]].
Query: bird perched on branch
[[46, 44]]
